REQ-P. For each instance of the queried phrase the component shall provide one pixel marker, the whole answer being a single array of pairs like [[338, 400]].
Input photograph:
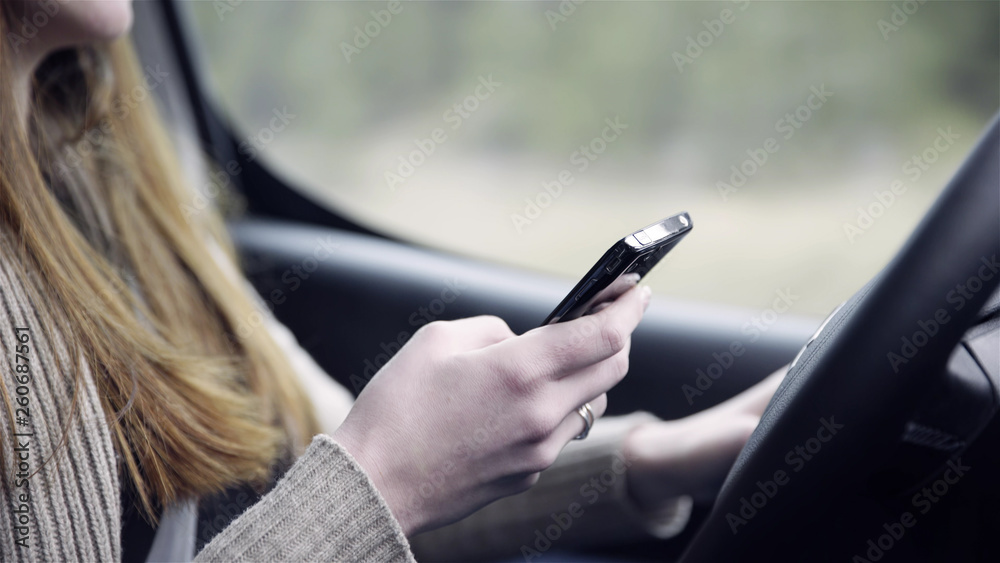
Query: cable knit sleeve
[[324, 509]]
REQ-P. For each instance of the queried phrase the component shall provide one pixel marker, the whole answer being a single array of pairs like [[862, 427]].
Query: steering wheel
[[848, 396]]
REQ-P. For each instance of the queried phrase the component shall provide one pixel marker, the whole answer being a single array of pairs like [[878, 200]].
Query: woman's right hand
[[467, 412]]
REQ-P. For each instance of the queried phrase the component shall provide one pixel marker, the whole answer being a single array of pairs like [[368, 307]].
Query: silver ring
[[588, 420]]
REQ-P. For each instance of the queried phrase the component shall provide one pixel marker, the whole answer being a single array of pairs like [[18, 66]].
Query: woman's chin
[[86, 21], [109, 19]]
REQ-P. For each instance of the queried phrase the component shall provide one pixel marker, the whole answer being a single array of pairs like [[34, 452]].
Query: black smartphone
[[637, 252]]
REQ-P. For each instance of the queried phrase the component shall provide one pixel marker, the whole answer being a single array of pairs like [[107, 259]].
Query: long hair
[[91, 208]]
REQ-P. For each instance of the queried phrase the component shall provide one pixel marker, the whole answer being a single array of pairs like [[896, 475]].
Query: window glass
[[806, 139]]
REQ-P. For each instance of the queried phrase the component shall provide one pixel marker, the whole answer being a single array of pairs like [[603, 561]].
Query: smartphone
[[638, 252]]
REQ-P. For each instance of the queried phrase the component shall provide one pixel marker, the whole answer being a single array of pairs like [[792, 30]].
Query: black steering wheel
[[846, 400]]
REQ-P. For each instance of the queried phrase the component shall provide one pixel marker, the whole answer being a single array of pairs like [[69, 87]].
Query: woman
[[124, 378]]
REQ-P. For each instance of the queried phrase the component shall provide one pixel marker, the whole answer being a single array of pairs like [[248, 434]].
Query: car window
[[806, 139]]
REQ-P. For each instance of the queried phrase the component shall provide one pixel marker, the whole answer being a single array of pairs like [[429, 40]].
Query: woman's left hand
[[691, 456]]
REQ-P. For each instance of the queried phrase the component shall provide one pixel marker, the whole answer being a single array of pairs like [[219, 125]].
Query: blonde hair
[[194, 406]]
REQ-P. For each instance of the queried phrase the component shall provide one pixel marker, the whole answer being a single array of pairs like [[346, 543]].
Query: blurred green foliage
[[607, 58], [562, 76]]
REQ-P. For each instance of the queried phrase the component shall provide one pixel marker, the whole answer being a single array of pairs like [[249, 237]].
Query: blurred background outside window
[[806, 139]]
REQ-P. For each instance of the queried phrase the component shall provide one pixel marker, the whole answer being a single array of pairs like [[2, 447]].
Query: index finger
[[564, 348]]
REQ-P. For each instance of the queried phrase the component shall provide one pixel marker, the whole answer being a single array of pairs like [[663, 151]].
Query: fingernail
[[632, 278], [647, 294]]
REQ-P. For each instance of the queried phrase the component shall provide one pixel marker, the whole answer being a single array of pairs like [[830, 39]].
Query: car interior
[[350, 291]]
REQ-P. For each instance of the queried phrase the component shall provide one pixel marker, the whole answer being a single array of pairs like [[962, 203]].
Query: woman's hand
[[467, 412], [692, 456]]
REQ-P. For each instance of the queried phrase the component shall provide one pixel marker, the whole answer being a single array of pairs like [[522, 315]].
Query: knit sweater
[[67, 508]]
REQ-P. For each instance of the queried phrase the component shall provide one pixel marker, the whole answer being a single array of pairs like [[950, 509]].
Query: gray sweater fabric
[[68, 509], [60, 493]]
